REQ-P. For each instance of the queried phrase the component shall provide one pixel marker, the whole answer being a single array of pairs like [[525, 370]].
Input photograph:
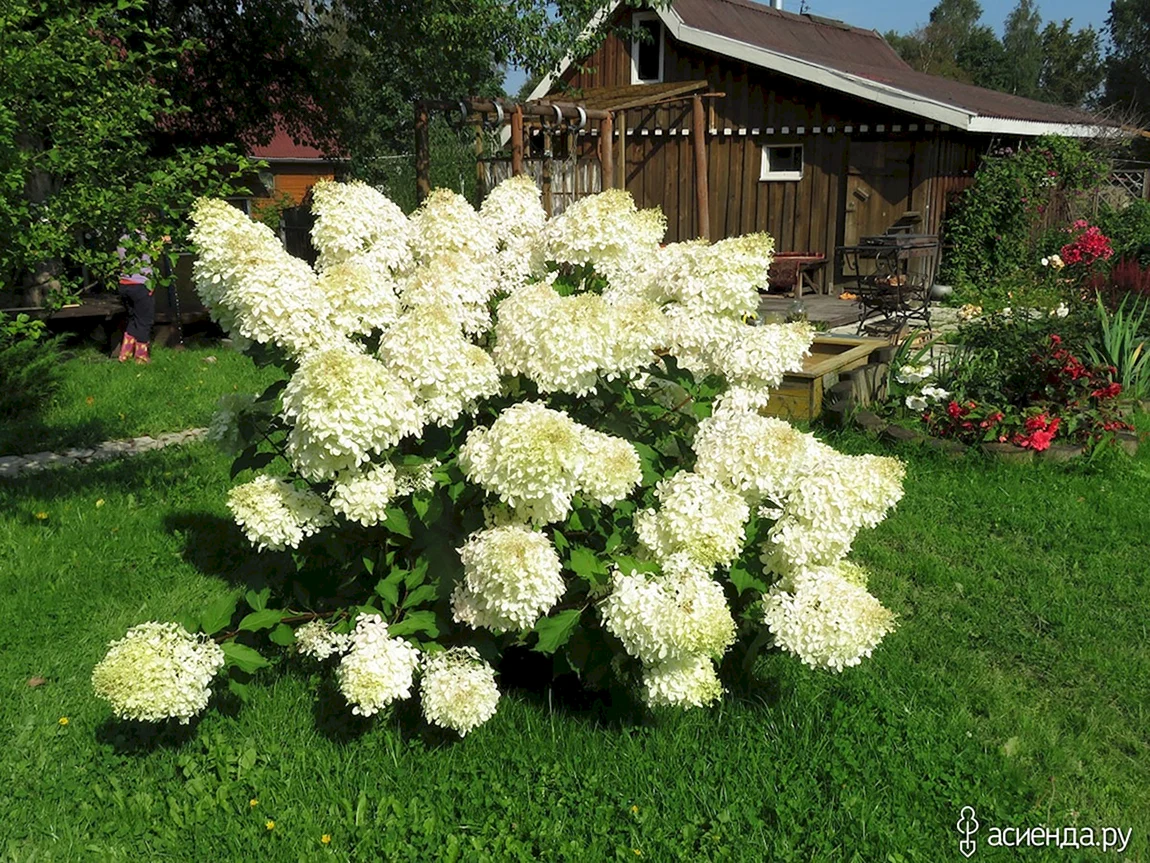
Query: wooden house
[[815, 131]]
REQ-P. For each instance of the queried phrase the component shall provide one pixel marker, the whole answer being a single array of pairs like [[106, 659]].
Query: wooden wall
[[848, 144]]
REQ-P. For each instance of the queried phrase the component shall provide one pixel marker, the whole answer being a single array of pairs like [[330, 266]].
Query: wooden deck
[[821, 308]]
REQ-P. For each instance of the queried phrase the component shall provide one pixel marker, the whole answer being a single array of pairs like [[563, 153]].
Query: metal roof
[[854, 61]]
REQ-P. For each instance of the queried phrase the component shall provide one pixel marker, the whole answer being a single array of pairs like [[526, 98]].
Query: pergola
[[604, 109]]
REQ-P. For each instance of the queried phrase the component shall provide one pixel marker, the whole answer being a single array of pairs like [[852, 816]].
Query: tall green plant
[[1121, 345]]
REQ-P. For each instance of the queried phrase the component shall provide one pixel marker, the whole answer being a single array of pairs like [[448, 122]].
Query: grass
[[1016, 684], [102, 399]]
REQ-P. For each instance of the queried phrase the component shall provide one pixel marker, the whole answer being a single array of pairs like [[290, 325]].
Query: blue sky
[[906, 15]]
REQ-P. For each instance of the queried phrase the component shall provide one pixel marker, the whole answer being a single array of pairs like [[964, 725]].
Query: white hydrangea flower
[[445, 222], [458, 690], [697, 516], [687, 682], [564, 344], [694, 336], [762, 458], [274, 514], [605, 230], [612, 468], [364, 497], [660, 617], [317, 640], [838, 496], [361, 294], [1060, 311], [377, 669], [827, 621], [158, 671], [354, 218], [721, 280], [344, 406], [512, 577], [448, 374], [532, 457], [456, 285], [253, 285], [412, 478], [513, 212], [759, 356]]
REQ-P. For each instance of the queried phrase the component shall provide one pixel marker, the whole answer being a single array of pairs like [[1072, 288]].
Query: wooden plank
[[751, 162], [734, 148]]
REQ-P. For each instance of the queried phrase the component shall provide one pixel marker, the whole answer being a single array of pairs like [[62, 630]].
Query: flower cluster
[[565, 344], [345, 406], [158, 671], [511, 577], [825, 619], [364, 497], [319, 641], [377, 669], [535, 459], [1088, 246], [275, 515], [606, 231], [697, 517], [458, 690]]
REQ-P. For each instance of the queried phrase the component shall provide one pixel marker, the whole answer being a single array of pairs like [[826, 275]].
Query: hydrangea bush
[[503, 430]]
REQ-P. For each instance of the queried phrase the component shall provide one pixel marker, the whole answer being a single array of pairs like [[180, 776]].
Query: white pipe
[[778, 4]]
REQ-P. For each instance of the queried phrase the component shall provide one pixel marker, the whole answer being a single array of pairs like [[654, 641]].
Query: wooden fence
[[562, 182]]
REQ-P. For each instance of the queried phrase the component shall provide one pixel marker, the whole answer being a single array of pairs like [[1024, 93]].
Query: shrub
[[990, 230], [502, 430], [30, 366], [1129, 230]]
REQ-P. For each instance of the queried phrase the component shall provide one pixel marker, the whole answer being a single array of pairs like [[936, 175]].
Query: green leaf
[[397, 522], [369, 563], [420, 595], [265, 618], [243, 657], [574, 522], [219, 614], [258, 600], [415, 621], [555, 631], [388, 590], [585, 563], [744, 580], [240, 690], [283, 635], [417, 576]]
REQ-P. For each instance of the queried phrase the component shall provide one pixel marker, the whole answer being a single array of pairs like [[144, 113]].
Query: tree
[[950, 41], [79, 101], [1128, 62], [1022, 49], [1072, 69]]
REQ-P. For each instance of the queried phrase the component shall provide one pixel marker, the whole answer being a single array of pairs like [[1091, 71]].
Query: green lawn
[[1016, 684], [102, 399]]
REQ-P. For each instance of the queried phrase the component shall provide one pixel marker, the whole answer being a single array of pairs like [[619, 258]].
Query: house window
[[782, 162], [647, 53]]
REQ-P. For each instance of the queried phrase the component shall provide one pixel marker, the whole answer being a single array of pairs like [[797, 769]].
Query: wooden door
[[878, 187]]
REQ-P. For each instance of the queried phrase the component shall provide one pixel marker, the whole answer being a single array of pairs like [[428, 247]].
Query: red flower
[[1107, 392], [1055, 339]]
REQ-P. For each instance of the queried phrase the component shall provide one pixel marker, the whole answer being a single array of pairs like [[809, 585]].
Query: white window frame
[[637, 18], [765, 172]]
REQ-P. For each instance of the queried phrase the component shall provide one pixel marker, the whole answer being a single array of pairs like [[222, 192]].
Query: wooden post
[[422, 152], [607, 152], [517, 141], [1146, 185], [702, 191], [621, 161], [547, 157], [480, 176]]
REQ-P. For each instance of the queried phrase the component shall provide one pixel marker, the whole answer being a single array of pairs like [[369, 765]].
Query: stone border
[[859, 388], [15, 465]]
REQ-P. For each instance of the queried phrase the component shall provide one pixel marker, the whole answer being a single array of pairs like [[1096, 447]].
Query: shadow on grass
[[30, 435], [216, 546], [128, 737]]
